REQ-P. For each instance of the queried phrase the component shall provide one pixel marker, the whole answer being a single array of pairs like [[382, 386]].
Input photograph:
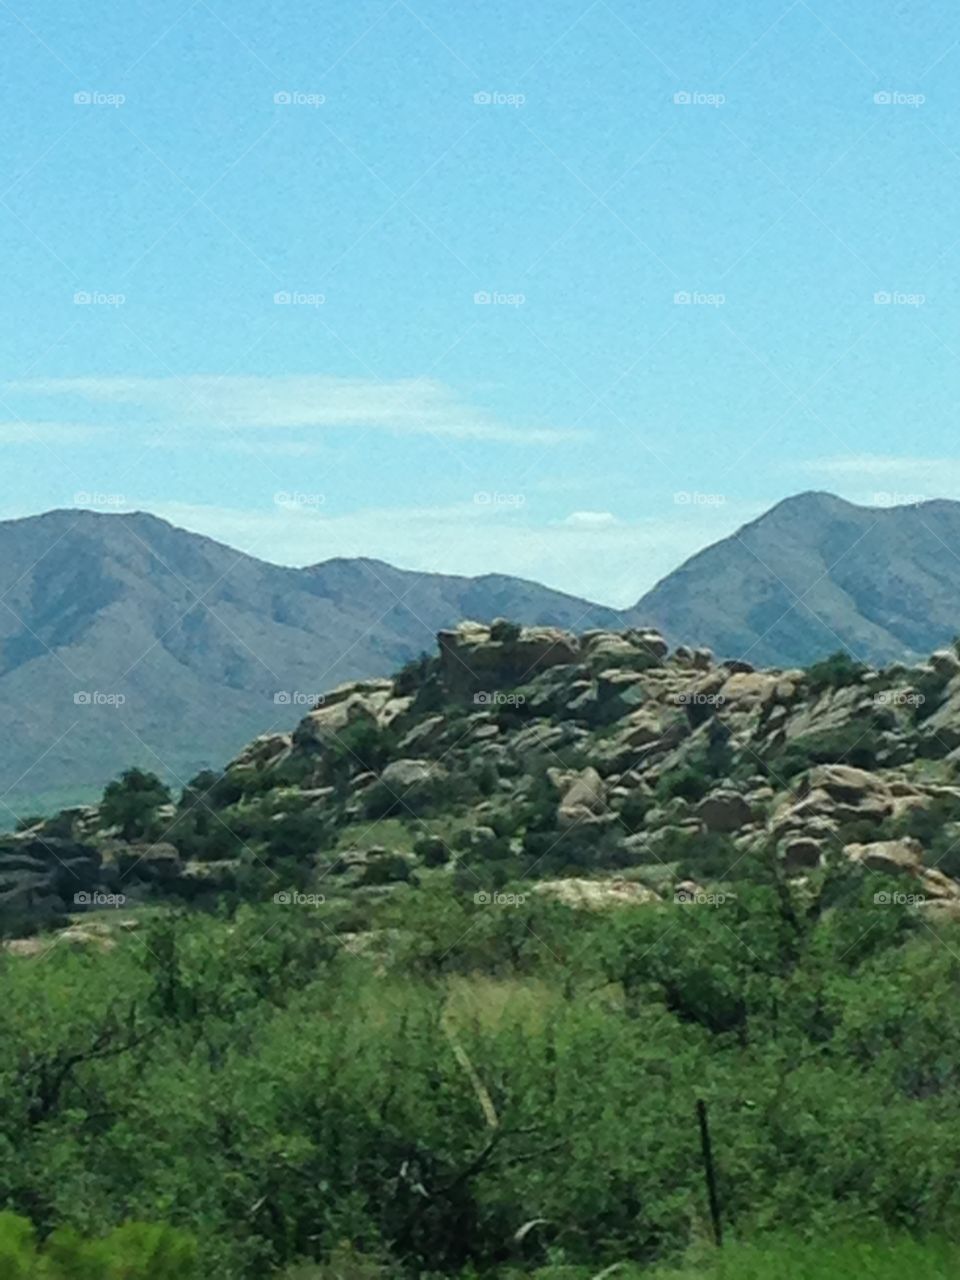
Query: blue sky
[[408, 279]]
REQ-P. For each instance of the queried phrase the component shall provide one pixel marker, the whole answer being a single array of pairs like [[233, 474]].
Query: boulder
[[404, 777], [596, 895], [156, 863], [651, 641], [473, 658], [945, 663], [724, 811], [582, 795], [800, 854], [891, 857]]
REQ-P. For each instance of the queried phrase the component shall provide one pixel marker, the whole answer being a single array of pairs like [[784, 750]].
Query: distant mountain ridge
[[815, 574], [124, 639]]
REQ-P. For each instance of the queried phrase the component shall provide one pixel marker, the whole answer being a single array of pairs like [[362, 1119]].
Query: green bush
[[835, 672], [131, 802]]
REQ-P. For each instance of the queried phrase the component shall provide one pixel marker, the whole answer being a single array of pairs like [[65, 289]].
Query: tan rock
[[597, 895], [892, 857]]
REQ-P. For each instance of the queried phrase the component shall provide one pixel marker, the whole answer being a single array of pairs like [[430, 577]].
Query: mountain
[[124, 639], [816, 574]]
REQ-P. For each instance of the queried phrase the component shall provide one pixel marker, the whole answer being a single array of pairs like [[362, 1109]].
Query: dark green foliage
[[291, 1105], [856, 743], [835, 672], [131, 803]]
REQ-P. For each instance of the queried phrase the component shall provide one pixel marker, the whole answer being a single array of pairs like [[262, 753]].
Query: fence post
[[709, 1172]]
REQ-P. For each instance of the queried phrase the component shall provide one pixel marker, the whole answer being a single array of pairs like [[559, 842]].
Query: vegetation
[[473, 1067]]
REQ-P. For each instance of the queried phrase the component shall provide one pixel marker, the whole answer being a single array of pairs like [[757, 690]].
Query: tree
[[131, 802]]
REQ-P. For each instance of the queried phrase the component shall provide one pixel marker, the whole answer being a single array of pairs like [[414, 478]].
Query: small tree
[[131, 802]]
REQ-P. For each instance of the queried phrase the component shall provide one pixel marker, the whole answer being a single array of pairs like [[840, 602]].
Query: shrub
[[835, 672], [131, 802]]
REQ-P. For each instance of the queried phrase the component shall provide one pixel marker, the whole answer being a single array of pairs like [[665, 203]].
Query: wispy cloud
[[420, 406], [23, 432], [470, 538], [880, 466]]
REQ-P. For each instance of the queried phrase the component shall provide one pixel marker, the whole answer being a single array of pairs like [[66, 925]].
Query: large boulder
[[323, 725], [475, 658], [582, 795], [42, 877], [724, 811], [890, 857], [596, 895]]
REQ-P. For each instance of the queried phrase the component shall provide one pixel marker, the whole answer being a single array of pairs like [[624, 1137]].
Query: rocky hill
[[815, 574], [599, 768], [123, 638]]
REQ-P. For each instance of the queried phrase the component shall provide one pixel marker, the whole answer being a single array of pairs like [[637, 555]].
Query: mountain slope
[[123, 638], [816, 574]]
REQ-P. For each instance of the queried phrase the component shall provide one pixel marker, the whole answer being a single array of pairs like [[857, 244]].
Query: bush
[[131, 803], [835, 672], [135, 1251]]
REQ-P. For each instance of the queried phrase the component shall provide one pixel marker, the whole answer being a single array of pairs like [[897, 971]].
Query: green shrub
[[835, 672]]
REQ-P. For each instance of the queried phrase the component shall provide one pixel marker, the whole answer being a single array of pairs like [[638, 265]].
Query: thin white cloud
[[590, 519], [421, 406], [22, 432], [880, 466], [613, 563]]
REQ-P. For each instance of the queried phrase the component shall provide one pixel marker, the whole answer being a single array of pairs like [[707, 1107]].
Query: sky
[[566, 290]]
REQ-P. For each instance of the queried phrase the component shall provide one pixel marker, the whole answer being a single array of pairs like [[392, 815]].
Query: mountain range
[[124, 639]]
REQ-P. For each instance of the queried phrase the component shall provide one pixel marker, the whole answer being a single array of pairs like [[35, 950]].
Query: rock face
[[724, 810], [596, 895], [45, 876], [605, 765], [891, 857], [478, 658]]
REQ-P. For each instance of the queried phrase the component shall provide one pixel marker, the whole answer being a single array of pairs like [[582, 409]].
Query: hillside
[[816, 574], [602, 767], [123, 638], [381, 996]]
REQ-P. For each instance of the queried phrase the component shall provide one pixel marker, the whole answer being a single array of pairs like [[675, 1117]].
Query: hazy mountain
[[816, 574], [198, 640]]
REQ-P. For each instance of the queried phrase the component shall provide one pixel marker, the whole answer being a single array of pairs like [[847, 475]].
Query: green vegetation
[[131, 802], [279, 1088]]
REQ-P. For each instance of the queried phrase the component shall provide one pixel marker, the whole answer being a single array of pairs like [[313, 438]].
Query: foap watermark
[[496, 98], [298, 98], [292, 898], [886, 899], [97, 698], [97, 899], [496, 698], [297, 499], [97, 98], [493, 498], [898, 698], [698, 699], [496, 899], [696, 98], [896, 298], [897, 98], [894, 499], [84, 498], [692, 498], [686, 298], [293, 298], [297, 698], [699, 897], [95, 298], [492, 298]]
